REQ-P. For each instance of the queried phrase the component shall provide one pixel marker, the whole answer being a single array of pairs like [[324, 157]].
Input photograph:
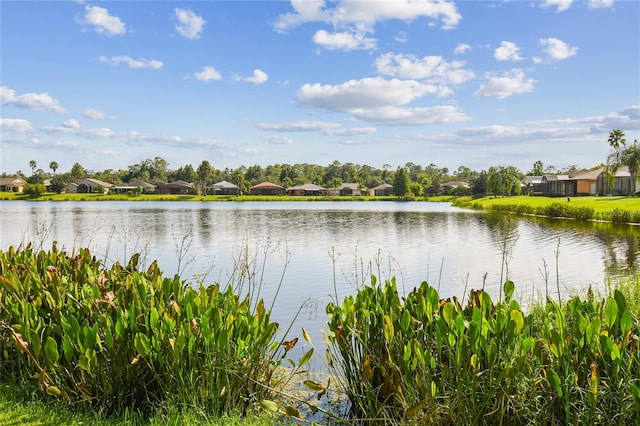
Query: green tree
[[238, 177], [616, 139], [537, 170], [504, 180], [205, 171], [33, 166], [77, 172], [53, 166], [621, 156], [34, 189], [401, 182]]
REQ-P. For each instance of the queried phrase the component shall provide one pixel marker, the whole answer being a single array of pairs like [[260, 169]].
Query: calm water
[[451, 248]]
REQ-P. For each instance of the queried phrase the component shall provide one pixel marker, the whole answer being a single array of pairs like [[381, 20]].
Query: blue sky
[[474, 83]]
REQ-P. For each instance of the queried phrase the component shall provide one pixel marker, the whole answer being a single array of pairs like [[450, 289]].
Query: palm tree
[[204, 173], [622, 156], [33, 165], [53, 166], [616, 139], [503, 180]]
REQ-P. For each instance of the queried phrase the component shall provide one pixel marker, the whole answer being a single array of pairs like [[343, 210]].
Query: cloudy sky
[[474, 83]]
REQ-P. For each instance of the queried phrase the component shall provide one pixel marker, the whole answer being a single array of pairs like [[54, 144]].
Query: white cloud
[[279, 140], [510, 83], [557, 50], [258, 77], [344, 40], [71, 124], [94, 114], [507, 51], [600, 4], [207, 74], [367, 13], [132, 63], [189, 24], [560, 5], [102, 22], [461, 48], [396, 116], [430, 68], [324, 127], [363, 94], [17, 125], [32, 101]]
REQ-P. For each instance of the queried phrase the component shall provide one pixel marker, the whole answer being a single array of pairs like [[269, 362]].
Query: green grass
[[20, 407], [598, 204]]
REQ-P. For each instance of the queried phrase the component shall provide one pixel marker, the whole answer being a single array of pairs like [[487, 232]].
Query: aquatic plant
[[120, 339]]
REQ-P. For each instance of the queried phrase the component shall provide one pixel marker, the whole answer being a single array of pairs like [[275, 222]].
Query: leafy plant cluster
[[426, 360], [118, 339]]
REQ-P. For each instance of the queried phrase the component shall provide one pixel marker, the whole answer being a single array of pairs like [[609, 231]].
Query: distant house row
[[582, 182]]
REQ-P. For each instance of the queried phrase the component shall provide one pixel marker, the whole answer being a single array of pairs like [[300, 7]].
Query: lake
[[324, 248]]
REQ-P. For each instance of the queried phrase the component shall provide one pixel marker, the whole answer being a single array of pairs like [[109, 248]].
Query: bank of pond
[[125, 339]]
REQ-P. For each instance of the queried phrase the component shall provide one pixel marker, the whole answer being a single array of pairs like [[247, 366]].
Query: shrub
[[431, 361], [34, 190], [121, 338]]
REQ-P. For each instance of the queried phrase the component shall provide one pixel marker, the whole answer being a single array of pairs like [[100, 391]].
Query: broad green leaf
[[509, 288], [556, 384], [305, 358], [51, 350], [611, 312], [626, 322], [142, 344], [518, 320], [314, 386], [388, 328], [270, 406], [448, 313]]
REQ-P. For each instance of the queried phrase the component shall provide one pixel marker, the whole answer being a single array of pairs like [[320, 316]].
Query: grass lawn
[[18, 408], [598, 204]]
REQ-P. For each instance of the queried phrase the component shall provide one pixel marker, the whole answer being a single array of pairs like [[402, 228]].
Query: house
[[382, 190], [267, 188], [558, 186], [621, 183], [448, 186], [223, 188], [71, 188], [12, 184], [586, 181], [175, 187], [134, 186], [350, 188], [308, 189], [532, 185], [88, 185]]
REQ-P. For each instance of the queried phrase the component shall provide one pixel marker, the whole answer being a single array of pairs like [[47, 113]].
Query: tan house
[[223, 188], [382, 190], [350, 188], [308, 189], [267, 188], [586, 181], [175, 187], [89, 185], [12, 184]]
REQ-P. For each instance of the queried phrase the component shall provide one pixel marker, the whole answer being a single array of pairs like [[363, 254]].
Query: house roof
[[588, 175], [383, 186], [551, 178], [266, 184], [224, 185], [532, 180], [141, 184], [95, 182], [351, 185], [12, 181], [306, 187], [177, 183]]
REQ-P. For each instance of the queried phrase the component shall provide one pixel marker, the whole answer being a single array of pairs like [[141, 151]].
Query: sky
[[379, 82]]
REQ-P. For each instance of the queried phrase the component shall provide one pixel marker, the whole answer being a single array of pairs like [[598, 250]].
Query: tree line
[[409, 179]]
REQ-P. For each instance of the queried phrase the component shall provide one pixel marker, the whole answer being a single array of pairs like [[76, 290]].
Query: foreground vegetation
[[609, 209], [121, 345]]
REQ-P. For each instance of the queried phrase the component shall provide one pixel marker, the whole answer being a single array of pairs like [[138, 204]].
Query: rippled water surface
[[311, 242]]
